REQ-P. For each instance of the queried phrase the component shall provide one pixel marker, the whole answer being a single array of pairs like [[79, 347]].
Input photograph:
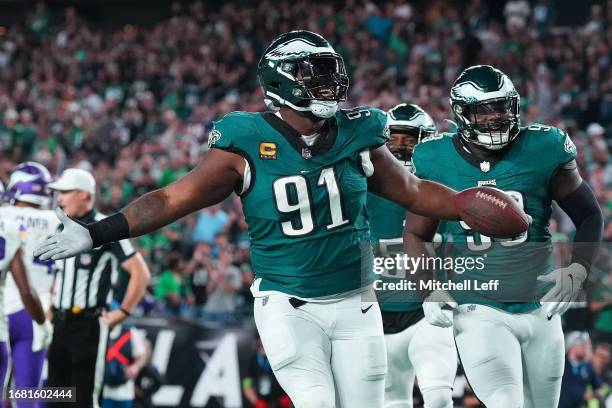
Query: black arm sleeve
[[110, 229], [581, 206]]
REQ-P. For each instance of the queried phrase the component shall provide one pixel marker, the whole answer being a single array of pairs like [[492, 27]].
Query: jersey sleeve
[[231, 131], [564, 149], [365, 127], [380, 128], [10, 239], [554, 147]]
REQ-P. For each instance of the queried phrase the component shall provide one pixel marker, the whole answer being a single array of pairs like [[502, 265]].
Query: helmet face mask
[[322, 76], [491, 123], [401, 144], [302, 71], [408, 126], [486, 107]]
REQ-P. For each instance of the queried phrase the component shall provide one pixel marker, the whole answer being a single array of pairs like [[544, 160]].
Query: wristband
[[127, 314], [110, 229]]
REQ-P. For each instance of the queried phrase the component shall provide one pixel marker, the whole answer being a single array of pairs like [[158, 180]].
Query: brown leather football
[[491, 212]]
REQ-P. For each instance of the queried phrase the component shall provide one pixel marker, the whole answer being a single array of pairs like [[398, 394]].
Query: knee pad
[[280, 344], [505, 397], [438, 398], [374, 358]]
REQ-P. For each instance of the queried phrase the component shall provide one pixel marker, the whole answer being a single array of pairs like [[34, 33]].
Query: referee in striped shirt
[[82, 290]]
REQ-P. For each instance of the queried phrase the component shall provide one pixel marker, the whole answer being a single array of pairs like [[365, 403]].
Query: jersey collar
[[323, 144], [464, 151]]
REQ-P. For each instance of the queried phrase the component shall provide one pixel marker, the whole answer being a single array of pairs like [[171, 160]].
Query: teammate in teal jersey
[[302, 171], [414, 346], [509, 341]]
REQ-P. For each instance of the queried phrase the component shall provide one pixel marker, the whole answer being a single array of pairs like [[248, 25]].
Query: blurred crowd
[[134, 106]]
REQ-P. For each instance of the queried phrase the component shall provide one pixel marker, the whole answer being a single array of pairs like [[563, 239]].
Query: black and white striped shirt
[[85, 281]]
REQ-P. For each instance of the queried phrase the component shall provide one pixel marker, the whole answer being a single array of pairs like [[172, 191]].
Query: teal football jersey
[[387, 221], [387, 227], [306, 205], [524, 172]]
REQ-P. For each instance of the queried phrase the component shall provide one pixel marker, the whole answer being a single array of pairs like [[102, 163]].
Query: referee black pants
[[76, 359]]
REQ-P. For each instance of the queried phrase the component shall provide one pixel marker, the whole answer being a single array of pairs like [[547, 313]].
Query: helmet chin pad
[[323, 109]]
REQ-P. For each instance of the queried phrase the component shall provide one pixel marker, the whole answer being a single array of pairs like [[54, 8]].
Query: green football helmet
[[301, 70], [410, 120], [486, 106]]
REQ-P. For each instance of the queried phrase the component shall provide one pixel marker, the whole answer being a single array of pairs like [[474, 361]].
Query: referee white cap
[[75, 179]]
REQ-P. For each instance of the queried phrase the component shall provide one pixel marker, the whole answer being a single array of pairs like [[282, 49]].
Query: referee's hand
[[112, 318], [70, 241]]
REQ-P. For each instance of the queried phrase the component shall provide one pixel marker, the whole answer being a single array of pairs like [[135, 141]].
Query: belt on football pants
[[76, 313]]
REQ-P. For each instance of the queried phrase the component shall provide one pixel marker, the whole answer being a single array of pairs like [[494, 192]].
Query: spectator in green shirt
[[7, 130], [173, 289], [24, 137]]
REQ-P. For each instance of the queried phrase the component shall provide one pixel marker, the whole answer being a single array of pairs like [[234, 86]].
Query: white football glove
[[433, 304], [568, 283], [71, 241], [41, 335]]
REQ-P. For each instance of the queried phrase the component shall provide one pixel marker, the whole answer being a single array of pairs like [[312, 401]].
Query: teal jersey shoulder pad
[[232, 131]]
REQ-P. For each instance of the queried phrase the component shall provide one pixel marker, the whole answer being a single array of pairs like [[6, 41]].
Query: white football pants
[[325, 355], [427, 352], [510, 360]]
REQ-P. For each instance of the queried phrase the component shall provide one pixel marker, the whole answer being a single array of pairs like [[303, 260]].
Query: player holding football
[[510, 342], [11, 258], [27, 196], [414, 347], [302, 172]]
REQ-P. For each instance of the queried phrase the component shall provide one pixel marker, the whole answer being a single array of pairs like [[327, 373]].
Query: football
[[491, 212]]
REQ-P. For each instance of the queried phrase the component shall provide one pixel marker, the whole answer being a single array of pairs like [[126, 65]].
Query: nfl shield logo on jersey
[[485, 166], [306, 153]]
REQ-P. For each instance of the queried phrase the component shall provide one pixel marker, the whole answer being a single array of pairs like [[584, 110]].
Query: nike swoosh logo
[[364, 311]]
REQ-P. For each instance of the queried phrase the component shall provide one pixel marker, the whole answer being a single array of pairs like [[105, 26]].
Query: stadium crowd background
[[134, 105]]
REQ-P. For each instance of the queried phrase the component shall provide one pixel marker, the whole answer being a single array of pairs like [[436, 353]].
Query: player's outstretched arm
[[26, 292], [210, 182], [213, 179], [578, 201], [393, 182]]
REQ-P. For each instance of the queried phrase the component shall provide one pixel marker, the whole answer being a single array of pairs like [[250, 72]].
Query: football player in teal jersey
[[414, 346], [302, 171], [509, 340]]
